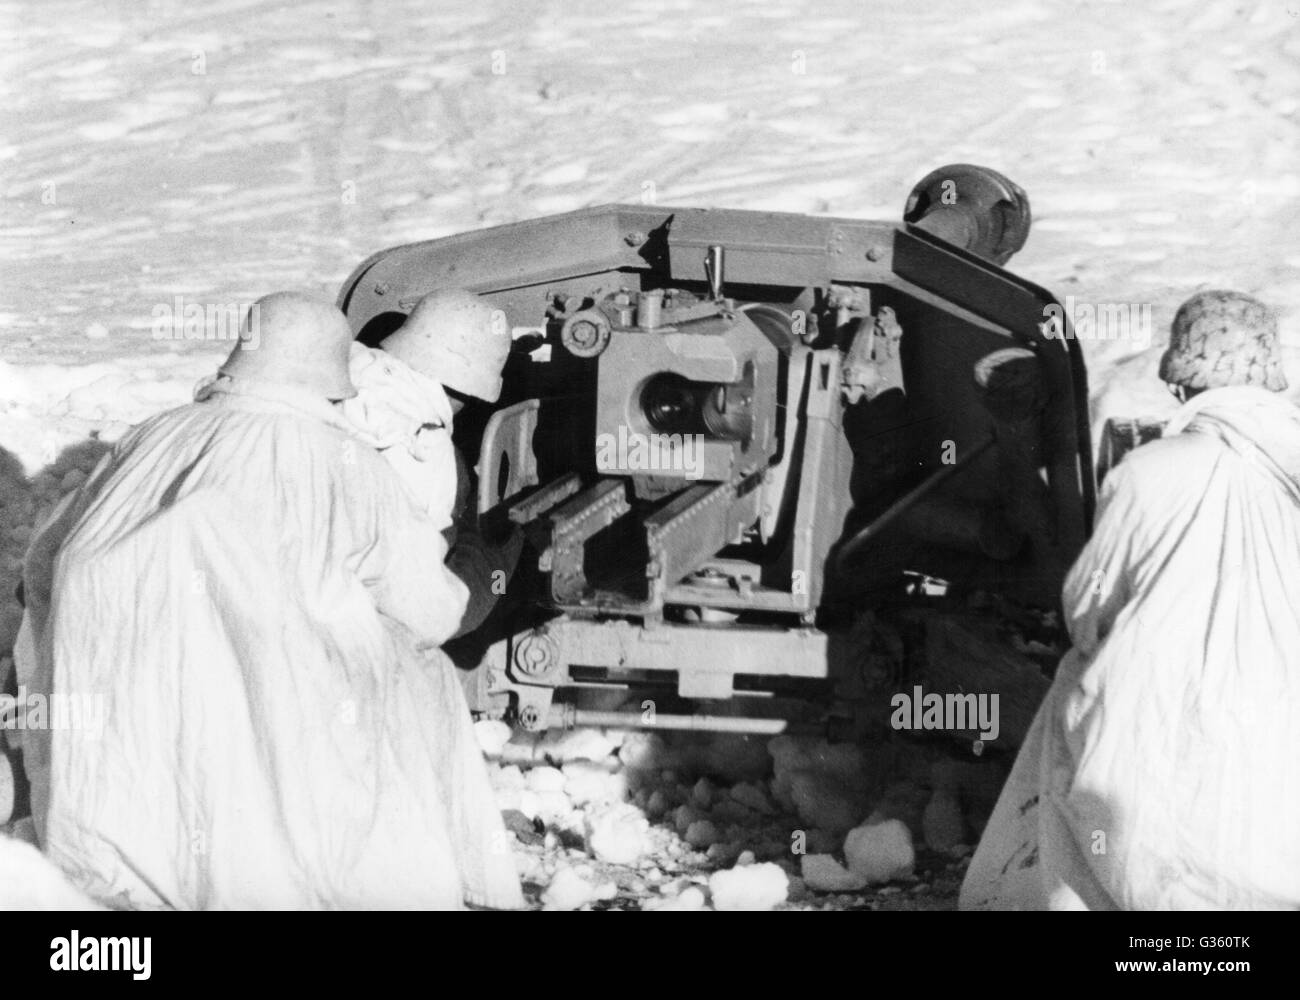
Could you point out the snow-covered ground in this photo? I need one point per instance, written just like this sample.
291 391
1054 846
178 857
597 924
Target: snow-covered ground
222 150
219 151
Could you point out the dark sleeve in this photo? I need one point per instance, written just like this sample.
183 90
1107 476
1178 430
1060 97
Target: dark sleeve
483 568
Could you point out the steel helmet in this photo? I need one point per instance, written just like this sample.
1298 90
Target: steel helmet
457 339
1223 338
294 339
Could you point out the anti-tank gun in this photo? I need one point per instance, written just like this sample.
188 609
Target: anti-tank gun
730 432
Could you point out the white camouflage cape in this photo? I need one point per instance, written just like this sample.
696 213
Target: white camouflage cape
258 603
1161 770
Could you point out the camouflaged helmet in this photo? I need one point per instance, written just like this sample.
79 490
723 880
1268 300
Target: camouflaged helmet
1223 338
455 338
294 339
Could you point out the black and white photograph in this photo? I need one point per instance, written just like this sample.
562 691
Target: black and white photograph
669 455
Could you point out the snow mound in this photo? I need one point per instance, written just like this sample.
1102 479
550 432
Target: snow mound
492 736
750 887
571 890
618 833
689 899
588 783
880 852
545 779
822 873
